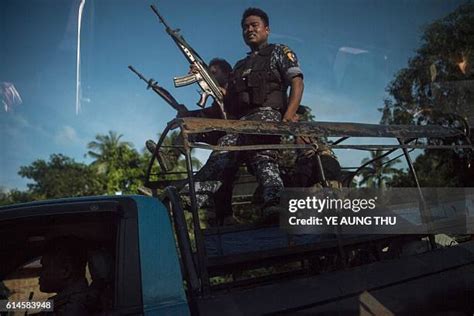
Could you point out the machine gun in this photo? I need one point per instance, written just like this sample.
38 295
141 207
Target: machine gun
203 77
162 92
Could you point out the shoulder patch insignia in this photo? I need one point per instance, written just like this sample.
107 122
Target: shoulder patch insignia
291 56
287 51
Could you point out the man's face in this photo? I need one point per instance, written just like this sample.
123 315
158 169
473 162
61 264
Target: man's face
53 274
254 31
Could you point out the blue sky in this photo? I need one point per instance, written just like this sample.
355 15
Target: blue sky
349 51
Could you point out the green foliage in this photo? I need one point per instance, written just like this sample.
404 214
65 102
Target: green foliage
117 167
378 172
435 169
15 196
61 176
438 79
121 165
437 88
103 150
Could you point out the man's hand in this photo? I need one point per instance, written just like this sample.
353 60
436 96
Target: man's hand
295 118
193 69
223 91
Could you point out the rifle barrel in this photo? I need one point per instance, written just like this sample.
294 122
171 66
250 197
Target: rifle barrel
162 20
138 74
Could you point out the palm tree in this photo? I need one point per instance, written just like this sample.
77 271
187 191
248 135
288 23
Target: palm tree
119 161
105 148
375 174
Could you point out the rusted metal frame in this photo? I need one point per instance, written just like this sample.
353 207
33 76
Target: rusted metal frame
250 147
358 169
171 146
340 140
425 214
155 155
324 183
198 236
330 129
387 147
340 247
382 156
320 171
308 146
184 243
395 158
171 172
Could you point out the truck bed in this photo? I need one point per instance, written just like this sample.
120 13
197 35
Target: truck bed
440 280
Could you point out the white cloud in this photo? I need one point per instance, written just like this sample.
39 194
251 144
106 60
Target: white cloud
66 136
352 50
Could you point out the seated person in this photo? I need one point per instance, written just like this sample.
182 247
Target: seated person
63 272
100 294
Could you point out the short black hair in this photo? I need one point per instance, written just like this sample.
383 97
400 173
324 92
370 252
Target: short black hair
257 12
222 64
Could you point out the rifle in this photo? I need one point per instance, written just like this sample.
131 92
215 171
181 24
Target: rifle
162 92
203 77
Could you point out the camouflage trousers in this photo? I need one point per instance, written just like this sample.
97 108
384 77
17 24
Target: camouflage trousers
220 170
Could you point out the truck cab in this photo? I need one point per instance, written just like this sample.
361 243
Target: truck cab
130 245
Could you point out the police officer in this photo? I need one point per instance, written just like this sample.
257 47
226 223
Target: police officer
258 91
260 81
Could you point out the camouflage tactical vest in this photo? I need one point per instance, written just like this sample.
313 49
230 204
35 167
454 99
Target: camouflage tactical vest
254 84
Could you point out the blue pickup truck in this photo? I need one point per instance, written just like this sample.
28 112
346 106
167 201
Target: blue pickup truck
149 273
150 255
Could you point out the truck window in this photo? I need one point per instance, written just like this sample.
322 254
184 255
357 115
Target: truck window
53 256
